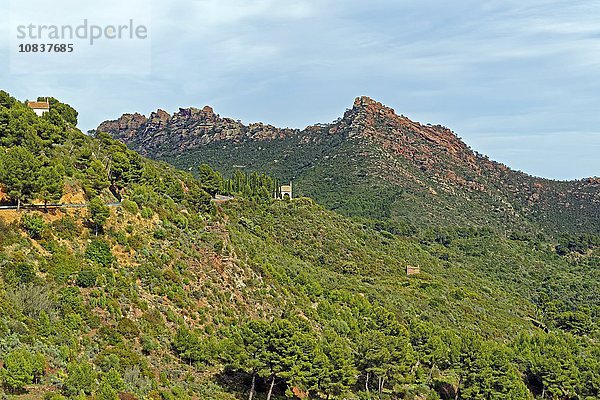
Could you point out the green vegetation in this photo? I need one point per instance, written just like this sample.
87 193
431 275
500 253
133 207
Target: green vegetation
99 213
174 296
33 224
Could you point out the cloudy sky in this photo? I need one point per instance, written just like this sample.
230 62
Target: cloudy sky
519 81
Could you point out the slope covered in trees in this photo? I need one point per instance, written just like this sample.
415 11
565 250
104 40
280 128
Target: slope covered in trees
174 296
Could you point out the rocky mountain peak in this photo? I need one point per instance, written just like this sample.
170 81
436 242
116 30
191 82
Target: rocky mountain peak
365 104
159 118
208 110
161 114
368 103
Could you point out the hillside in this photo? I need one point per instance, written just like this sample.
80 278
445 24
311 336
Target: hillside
172 295
371 163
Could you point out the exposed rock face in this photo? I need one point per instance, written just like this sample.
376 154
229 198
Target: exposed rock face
128 124
186 129
369 145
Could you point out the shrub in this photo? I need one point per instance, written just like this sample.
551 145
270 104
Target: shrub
110 335
160 234
114 379
124 355
54 396
66 227
120 237
99 252
180 221
136 381
33 224
62 265
71 300
17 371
147 213
106 392
127 328
21 367
19 273
86 278
148 345
32 300
81 378
130 206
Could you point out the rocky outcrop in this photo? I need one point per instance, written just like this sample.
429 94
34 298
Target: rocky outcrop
186 129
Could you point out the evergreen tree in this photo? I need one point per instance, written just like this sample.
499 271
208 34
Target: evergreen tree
50 184
96 177
210 180
198 198
68 113
98 214
19 172
248 351
335 370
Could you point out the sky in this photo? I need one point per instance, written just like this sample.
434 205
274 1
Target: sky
518 81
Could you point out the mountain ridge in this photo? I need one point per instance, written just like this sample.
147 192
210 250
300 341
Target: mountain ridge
160 118
381 149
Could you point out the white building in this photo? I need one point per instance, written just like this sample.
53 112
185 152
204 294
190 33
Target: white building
39 107
285 190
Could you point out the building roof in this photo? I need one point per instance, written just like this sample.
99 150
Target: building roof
39 105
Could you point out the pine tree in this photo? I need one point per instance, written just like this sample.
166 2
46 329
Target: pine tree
96 177
210 180
19 172
50 184
247 351
335 370
81 378
98 214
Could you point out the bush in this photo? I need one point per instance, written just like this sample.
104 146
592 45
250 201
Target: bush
130 206
99 251
32 300
147 213
180 221
71 300
86 278
136 381
66 227
62 265
33 224
19 273
114 380
160 234
120 237
81 378
54 396
127 328
21 367
17 371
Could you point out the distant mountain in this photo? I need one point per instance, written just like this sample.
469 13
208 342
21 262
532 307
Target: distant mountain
371 163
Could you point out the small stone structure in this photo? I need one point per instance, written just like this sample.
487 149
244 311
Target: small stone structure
410 270
285 190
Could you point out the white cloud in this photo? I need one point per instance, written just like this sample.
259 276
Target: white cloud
501 67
